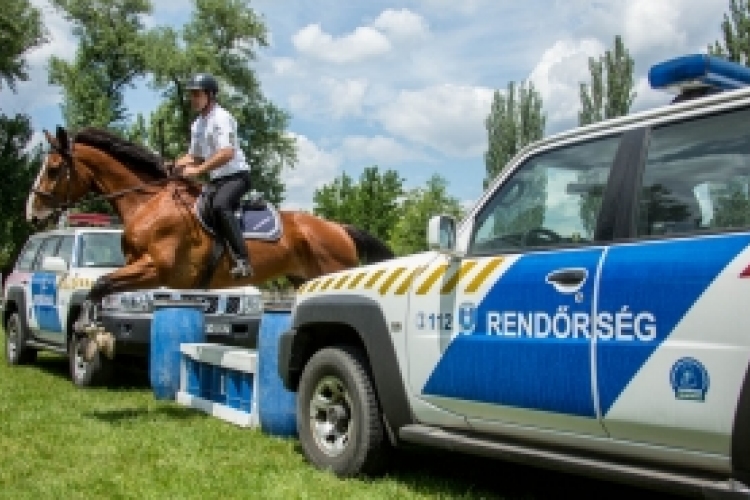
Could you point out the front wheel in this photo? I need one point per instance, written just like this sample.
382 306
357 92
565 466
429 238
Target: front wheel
16 351
98 371
338 414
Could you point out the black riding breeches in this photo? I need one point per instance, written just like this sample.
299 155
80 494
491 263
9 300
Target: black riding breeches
228 191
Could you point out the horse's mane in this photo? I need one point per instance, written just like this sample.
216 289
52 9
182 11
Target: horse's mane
135 156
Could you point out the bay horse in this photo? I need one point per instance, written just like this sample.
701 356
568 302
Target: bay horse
163 242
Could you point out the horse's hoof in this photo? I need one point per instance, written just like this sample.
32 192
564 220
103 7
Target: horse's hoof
106 343
90 351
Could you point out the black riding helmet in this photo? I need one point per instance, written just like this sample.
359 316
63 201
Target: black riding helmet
205 82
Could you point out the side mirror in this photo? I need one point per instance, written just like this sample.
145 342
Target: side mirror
54 265
441 232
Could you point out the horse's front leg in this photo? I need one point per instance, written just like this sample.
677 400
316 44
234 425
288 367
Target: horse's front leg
138 275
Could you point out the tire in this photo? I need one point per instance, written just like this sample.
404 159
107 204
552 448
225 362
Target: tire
16 350
97 372
345 434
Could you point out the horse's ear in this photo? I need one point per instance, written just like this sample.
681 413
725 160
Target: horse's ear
62 139
52 141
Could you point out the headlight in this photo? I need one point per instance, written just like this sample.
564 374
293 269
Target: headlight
128 302
250 304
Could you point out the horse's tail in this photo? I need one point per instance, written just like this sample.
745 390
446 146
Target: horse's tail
369 248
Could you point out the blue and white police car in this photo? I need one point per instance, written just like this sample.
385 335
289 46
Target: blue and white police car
586 315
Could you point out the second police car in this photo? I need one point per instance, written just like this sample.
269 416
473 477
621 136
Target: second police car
586 315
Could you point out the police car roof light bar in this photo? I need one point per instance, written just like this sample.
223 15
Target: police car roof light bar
90 219
698 71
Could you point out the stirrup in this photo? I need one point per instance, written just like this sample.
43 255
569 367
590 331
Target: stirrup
241 269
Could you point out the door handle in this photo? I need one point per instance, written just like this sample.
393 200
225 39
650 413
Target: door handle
567 280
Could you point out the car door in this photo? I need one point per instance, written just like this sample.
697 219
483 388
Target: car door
681 285
44 286
503 334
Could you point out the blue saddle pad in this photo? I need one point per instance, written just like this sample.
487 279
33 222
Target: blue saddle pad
260 222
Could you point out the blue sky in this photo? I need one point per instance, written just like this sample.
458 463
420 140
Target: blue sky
407 85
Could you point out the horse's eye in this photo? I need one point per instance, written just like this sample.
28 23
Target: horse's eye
53 173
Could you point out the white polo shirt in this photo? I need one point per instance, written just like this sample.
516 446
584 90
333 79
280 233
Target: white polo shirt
213 132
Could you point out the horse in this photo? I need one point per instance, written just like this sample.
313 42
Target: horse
163 241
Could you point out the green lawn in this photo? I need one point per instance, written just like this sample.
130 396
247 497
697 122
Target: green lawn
60 442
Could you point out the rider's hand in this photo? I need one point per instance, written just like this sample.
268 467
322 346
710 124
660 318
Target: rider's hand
192 171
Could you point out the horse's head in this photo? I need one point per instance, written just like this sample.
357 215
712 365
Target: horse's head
61 180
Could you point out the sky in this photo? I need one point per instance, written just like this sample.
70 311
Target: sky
407 84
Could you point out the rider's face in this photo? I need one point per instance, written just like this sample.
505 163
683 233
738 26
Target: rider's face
198 99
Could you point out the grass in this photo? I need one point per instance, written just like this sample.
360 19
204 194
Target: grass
57 441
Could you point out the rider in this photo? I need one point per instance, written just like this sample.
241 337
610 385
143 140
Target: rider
214 148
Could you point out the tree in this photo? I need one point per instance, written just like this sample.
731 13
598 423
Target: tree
21 29
610 92
18 167
735 29
372 204
111 55
410 232
515 120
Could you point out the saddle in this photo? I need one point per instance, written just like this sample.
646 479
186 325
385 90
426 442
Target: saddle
258 218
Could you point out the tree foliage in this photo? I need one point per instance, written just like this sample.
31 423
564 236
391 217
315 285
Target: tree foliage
18 167
516 119
21 29
410 232
610 92
372 204
735 29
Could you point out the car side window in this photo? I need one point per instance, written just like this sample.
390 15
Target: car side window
26 259
65 251
553 199
697 176
48 248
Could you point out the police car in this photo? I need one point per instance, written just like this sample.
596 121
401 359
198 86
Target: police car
586 315
52 277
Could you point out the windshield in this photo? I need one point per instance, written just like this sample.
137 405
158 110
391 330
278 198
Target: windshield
100 250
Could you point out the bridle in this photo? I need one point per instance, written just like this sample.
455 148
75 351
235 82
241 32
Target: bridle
67 167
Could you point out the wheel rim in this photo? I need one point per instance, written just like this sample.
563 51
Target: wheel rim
80 365
11 340
330 416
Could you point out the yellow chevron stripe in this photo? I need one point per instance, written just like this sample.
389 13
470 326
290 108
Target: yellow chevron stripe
356 280
301 289
436 274
327 284
406 284
375 277
313 285
450 285
482 275
341 281
391 279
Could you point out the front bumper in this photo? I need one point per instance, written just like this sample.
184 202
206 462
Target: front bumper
133 330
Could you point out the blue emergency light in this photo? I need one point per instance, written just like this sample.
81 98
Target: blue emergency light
698 71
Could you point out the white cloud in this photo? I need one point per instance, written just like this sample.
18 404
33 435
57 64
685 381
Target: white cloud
36 92
558 75
284 66
379 150
650 25
401 23
345 95
362 43
315 167
448 118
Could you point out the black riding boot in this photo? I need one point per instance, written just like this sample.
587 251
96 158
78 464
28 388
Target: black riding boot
232 233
